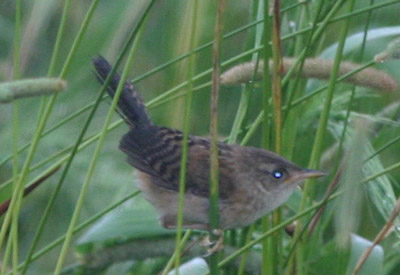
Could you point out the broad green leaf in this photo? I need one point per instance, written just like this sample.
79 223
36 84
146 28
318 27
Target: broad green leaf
354 41
122 225
374 263
348 210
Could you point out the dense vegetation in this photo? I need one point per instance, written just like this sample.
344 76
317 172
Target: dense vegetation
349 131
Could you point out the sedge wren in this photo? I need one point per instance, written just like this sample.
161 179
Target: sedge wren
252 181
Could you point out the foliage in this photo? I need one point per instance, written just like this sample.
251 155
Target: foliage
351 132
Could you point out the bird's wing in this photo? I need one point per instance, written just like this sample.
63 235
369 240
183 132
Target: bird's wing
157 152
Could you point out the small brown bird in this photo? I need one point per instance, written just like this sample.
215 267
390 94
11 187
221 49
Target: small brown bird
252 182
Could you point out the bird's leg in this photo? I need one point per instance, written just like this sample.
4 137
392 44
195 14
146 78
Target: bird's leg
214 246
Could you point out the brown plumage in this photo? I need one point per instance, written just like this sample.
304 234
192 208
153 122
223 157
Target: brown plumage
252 182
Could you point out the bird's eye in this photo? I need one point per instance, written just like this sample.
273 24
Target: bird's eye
278 174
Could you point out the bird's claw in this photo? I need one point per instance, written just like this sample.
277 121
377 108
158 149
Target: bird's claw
214 246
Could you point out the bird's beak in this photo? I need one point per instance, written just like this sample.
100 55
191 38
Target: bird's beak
306 174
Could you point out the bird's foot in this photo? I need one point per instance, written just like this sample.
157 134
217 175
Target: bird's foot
213 246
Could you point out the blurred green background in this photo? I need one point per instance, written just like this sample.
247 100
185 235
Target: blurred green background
165 37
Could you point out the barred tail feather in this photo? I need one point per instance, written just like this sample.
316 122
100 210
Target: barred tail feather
130 104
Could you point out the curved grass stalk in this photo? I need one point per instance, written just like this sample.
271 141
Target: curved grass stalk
171 261
103 132
64 71
12 245
43 116
185 141
308 192
78 144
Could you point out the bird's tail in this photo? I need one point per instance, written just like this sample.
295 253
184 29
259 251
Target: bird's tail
130 104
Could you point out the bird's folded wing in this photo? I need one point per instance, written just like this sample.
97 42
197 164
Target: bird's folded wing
157 152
